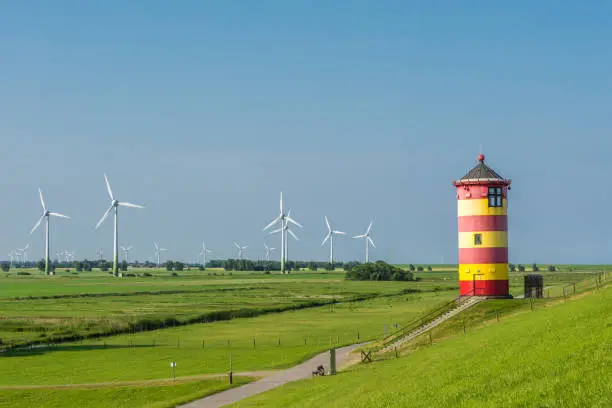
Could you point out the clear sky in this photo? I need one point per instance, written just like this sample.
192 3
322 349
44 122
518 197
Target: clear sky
204 110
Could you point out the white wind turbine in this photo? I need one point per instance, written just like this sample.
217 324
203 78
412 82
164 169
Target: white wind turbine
158 252
330 236
204 252
12 255
23 253
100 253
240 249
115 206
285 232
45 215
284 219
126 253
268 251
368 241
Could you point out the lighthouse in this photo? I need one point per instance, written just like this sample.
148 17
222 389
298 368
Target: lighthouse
482 203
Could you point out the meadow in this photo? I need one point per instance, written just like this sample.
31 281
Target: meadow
265 321
557 355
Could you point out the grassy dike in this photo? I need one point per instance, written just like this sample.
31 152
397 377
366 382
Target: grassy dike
557 356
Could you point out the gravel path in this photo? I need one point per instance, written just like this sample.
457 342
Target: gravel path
299 372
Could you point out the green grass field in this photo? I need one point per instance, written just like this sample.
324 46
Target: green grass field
556 356
155 396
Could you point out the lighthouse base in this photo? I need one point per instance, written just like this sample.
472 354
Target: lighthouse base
486 288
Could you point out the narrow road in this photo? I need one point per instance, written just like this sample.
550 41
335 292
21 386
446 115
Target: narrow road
299 372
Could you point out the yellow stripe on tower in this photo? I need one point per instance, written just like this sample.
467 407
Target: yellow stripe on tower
488 271
488 239
479 206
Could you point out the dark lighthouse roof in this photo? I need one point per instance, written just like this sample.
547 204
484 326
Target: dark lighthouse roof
482 174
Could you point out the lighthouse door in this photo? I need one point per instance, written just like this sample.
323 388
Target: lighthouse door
479 285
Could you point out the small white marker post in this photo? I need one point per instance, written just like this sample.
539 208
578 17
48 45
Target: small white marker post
173 364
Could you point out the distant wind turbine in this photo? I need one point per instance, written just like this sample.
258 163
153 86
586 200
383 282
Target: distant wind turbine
126 253
100 253
286 231
284 219
23 253
368 241
330 236
268 251
45 215
115 206
11 255
158 252
240 249
204 252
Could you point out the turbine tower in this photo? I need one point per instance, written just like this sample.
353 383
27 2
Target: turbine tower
115 206
330 236
368 241
240 249
12 257
45 215
284 219
158 252
204 252
268 251
126 253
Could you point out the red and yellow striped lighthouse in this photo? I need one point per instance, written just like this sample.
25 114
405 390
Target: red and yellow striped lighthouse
483 232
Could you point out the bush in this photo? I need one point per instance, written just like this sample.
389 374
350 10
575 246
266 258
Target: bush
266 272
6 267
147 274
429 268
534 268
23 273
378 271
201 267
174 274
419 268
552 268
521 268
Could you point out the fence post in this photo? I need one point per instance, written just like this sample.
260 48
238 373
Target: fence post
497 315
332 361
231 375
430 342
253 342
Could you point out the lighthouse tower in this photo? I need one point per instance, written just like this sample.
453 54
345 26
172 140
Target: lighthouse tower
483 232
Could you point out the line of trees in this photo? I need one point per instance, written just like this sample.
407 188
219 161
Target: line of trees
378 271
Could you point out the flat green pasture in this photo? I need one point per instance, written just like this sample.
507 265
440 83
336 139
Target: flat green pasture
38 308
281 340
155 396
556 356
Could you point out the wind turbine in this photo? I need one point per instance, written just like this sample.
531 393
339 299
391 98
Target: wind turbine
286 231
45 215
330 236
158 252
240 249
268 251
284 219
100 253
115 206
204 252
23 252
12 256
126 253
368 241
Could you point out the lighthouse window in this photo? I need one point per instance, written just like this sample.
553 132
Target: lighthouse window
495 197
477 239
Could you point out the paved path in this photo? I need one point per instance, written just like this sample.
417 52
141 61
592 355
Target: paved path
299 372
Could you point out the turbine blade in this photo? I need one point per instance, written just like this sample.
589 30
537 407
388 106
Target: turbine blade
327 222
110 192
371 242
130 205
369 227
42 200
276 231
326 238
272 223
37 224
237 246
339 232
156 246
359 236
281 202
104 216
291 220
59 215
293 235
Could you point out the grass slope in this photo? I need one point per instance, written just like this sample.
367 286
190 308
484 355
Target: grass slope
557 356
158 396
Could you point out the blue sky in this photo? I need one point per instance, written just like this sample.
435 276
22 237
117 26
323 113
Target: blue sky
203 111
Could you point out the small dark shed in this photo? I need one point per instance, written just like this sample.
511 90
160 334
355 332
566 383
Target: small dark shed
534 286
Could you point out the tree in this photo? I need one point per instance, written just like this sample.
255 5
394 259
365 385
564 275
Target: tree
534 267
411 267
169 265
329 266
312 266
41 265
123 266
6 267
78 266
104 266
378 271
551 268
201 267
179 266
